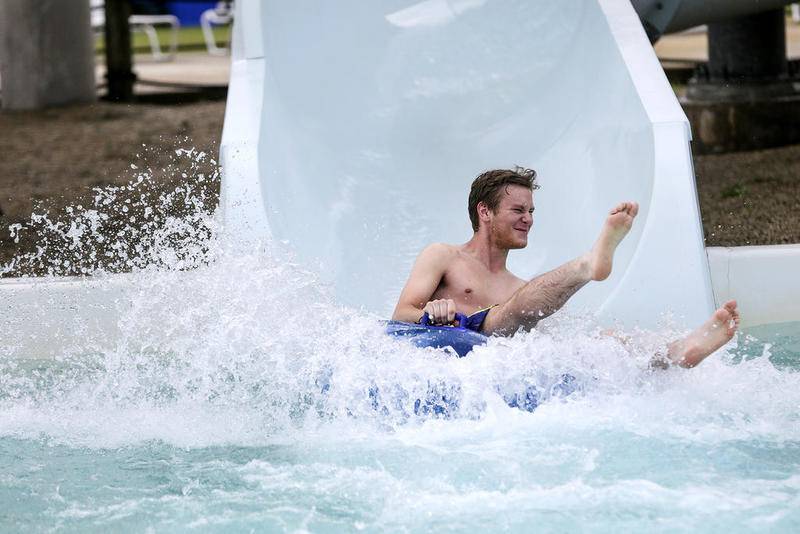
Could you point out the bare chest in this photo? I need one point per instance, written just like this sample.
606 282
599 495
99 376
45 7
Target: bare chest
473 287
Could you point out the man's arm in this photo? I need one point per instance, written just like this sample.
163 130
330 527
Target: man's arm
425 277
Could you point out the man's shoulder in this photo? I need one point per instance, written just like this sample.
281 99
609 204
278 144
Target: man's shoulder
440 253
440 250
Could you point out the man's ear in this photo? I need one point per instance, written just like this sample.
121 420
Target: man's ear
483 211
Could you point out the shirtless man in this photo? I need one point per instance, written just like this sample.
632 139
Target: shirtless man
472 278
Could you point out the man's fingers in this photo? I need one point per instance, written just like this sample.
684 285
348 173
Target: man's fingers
437 312
441 311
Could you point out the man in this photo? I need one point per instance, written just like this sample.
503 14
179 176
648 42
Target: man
472 279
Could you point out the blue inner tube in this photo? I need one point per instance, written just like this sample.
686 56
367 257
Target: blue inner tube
460 339
443 400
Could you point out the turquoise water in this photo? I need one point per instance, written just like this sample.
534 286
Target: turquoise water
236 398
203 419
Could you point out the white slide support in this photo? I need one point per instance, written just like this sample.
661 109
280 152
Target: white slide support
763 279
354 130
48 317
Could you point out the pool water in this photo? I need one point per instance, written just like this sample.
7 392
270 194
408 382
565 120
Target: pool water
780 341
241 398
216 414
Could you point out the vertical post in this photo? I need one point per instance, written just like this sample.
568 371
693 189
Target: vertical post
46 53
746 60
745 97
748 48
119 71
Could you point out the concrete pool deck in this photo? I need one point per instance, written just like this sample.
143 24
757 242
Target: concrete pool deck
187 71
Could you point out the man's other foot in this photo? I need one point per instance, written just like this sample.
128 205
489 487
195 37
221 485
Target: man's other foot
706 339
616 227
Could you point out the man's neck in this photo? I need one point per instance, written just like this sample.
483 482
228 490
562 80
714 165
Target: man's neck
485 251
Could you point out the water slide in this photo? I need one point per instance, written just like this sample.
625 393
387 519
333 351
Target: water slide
353 131
353 135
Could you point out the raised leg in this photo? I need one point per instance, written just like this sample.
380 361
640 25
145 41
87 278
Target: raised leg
547 293
537 299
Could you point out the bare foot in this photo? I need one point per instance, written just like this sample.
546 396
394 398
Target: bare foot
703 341
615 228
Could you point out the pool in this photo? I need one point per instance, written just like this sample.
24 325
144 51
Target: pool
215 413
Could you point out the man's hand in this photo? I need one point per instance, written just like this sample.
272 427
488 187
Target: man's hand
441 311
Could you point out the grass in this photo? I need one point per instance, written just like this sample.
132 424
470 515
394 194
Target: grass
189 38
735 191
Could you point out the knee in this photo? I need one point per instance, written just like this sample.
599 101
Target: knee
504 322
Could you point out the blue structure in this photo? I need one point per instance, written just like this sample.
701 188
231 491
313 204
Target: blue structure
189 12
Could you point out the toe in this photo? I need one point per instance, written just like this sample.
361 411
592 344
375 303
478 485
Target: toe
622 207
722 316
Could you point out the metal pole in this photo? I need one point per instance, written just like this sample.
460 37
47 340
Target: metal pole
746 60
119 71
749 48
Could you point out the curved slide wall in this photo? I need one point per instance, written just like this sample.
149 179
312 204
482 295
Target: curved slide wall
354 129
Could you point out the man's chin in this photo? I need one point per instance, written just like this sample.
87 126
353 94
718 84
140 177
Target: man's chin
513 243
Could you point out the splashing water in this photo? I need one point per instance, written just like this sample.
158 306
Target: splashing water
143 223
237 395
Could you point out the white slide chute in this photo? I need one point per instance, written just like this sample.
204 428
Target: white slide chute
354 129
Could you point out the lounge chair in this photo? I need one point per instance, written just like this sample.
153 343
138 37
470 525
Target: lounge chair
142 23
220 15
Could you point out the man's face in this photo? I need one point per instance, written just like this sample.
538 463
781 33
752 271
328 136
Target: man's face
513 218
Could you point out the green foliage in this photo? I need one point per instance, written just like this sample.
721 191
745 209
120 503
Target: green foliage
735 191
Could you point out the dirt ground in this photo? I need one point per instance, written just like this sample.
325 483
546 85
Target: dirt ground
53 158
750 198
